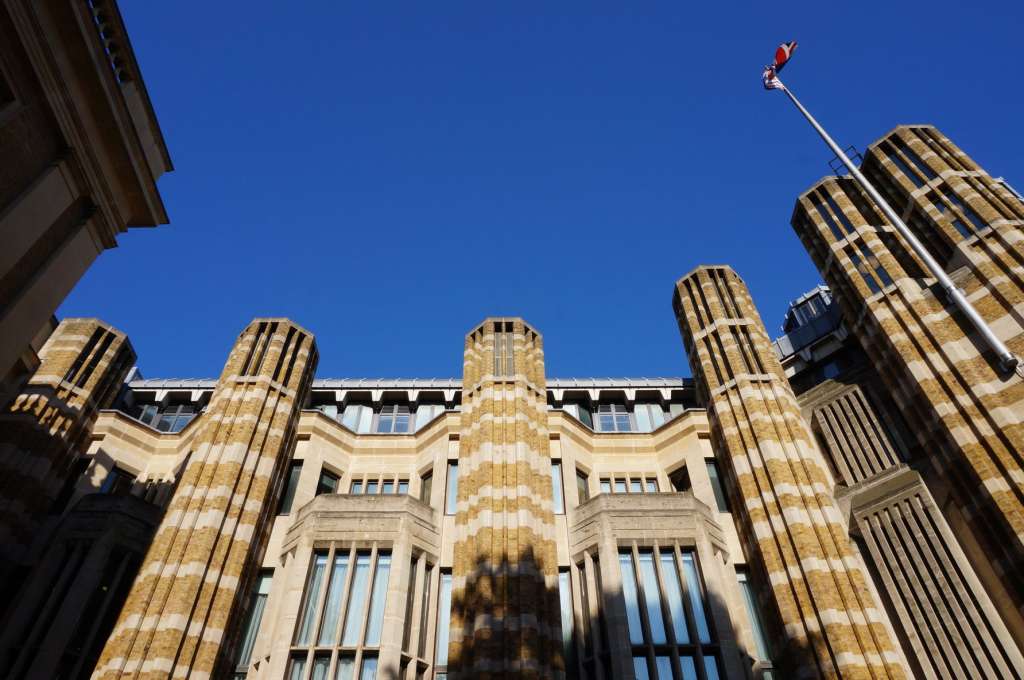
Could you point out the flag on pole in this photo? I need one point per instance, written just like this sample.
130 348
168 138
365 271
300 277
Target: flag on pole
782 55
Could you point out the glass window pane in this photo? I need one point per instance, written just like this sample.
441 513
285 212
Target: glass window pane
689 668
403 486
565 600
652 598
674 595
316 578
401 423
371 487
452 491
298 668
388 486
622 422
332 609
328 483
620 486
288 497
369 670
357 487
716 485
357 601
444 616
643 418
696 597
557 501
606 486
606 422
640 668
365 414
631 596
636 486
711 668
252 625
652 485
321 664
377 599
664 666
426 487
754 614
582 488
346 668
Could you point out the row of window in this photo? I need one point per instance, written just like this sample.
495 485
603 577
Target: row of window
388 419
616 417
165 418
373 485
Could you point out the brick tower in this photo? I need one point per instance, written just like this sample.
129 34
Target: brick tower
833 625
210 539
505 611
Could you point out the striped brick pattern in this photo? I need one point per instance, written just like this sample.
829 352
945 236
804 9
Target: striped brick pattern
209 542
833 626
965 412
45 426
505 615
854 436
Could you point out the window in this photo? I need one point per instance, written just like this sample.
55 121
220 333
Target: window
649 417
818 200
665 609
894 157
343 606
328 482
582 486
504 362
651 485
444 618
172 418
680 479
716 485
371 487
118 482
580 412
557 500
620 486
754 614
357 417
636 485
291 483
425 413
451 496
918 163
388 486
393 418
403 487
357 487
606 486
252 625
565 603
426 486
613 418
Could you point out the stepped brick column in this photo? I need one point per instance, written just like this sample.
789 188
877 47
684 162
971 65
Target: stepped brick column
83 365
211 539
505 616
833 625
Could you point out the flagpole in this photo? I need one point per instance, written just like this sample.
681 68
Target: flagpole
1007 361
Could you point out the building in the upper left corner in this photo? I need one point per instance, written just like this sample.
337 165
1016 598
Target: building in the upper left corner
80 154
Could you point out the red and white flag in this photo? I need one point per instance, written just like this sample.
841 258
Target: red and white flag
782 55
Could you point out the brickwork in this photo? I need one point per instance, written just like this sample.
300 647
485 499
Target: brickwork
966 412
210 540
505 612
832 623
45 427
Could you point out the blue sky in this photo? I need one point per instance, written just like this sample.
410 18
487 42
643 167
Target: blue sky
388 174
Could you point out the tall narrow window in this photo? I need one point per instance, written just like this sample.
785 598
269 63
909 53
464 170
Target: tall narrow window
426 486
371 487
304 635
328 482
377 599
606 486
754 614
557 500
255 617
565 601
332 606
403 487
388 486
716 485
444 616
357 417
357 600
652 601
291 483
582 486
451 496
649 417
632 598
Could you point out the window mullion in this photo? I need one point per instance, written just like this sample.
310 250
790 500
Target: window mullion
641 605
691 619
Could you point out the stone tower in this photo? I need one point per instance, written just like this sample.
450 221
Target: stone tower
83 365
505 612
966 412
211 538
833 625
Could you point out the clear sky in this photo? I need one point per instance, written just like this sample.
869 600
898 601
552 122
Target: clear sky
387 174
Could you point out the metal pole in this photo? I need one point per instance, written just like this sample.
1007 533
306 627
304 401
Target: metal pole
1008 362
